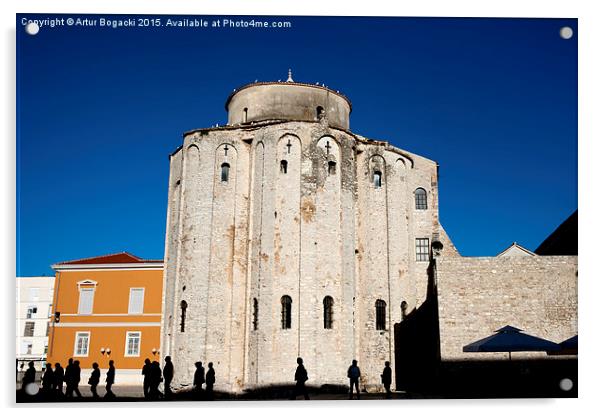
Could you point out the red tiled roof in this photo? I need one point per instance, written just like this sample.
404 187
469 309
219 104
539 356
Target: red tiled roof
123 257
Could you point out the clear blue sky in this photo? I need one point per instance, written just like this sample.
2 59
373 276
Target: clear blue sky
493 101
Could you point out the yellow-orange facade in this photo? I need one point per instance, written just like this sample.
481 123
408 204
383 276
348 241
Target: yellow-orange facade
107 308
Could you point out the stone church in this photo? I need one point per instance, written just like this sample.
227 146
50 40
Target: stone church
289 235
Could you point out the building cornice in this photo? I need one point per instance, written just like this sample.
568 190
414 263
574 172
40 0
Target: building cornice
110 266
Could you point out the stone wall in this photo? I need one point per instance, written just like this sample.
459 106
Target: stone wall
479 295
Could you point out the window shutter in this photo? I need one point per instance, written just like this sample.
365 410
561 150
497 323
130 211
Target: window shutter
136 301
86 299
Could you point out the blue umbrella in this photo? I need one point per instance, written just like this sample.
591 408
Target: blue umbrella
567 347
511 339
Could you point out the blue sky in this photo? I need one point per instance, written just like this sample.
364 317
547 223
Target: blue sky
493 101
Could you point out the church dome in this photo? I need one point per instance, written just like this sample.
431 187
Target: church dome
288 100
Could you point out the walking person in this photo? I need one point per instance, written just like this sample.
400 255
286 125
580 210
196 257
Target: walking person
300 378
59 376
110 380
210 381
146 369
29 376
168 376
354 379
48 381
155 381
77 376
94 380
69 378
199 377
386 379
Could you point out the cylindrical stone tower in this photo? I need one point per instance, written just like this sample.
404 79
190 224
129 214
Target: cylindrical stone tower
290 236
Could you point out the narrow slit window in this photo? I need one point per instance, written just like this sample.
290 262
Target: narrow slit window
286 314
332 167
245 114
420 195
404 309
319 112
255 314
225 172
377 179
381 315
283 166
328 312
183 306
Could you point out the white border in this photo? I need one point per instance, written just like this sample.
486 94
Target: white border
590 170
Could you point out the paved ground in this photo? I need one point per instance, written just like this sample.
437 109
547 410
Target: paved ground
134 393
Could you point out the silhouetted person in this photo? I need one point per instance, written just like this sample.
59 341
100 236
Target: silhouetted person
146 373
29 376
94 380
199 377
69 378
168 375
354 378
59 376
155 380
210 381
110 380
386 379
77 373
48 380
300 378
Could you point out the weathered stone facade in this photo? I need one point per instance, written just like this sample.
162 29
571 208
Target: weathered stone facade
478 295
286 201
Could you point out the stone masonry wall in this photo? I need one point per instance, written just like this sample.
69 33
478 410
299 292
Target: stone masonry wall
479 295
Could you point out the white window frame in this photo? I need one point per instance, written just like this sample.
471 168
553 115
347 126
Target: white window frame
130 301
127 339
79 303
77 334
417 245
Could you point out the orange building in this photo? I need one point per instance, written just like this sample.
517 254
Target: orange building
107 308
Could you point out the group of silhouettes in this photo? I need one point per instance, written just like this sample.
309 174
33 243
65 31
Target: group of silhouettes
70 376
53 380
353 373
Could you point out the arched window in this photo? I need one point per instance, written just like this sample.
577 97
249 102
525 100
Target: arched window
286 303
420 195
283 166
225 172
183 306
328 306
244 115
255 313
377 179
319 112
332 167
381 315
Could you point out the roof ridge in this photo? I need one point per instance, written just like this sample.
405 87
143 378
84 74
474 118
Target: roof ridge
102 256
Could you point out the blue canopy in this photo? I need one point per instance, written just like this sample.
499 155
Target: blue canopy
567 347
508 339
